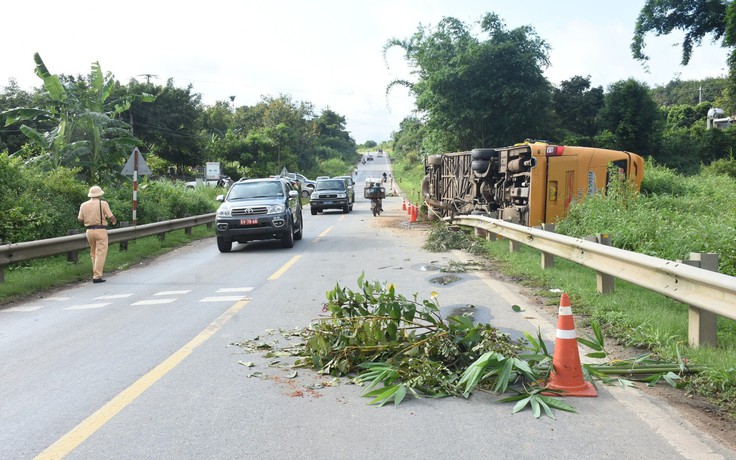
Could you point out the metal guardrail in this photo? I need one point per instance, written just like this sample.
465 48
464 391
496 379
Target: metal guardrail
18 252
707 290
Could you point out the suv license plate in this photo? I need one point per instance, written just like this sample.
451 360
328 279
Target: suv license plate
248 221
329 202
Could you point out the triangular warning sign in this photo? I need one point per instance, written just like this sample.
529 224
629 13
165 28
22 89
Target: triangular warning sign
143 168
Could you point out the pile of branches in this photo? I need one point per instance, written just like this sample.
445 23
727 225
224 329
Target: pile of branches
399 347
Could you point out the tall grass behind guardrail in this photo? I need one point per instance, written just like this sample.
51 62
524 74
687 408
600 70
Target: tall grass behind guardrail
673 216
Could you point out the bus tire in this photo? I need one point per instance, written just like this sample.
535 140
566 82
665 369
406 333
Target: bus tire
482 154
480 166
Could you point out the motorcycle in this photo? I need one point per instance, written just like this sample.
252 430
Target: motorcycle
375 192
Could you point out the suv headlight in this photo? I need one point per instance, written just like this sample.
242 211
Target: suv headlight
314 196
276 208
223 211
342 195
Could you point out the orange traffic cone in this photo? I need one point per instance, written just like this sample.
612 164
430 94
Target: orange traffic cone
403 204
567 374
413 215
408 208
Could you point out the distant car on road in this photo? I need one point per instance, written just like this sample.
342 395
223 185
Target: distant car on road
259 209
330 194
223 181
306 185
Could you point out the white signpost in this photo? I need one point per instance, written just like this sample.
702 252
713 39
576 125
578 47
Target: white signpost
135 165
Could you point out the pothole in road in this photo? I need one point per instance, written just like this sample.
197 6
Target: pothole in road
476 313
429 267
445 279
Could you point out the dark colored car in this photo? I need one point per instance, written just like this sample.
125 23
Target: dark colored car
259 209
351 186
330 194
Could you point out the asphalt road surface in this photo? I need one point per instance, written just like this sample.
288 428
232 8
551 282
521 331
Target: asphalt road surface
145 366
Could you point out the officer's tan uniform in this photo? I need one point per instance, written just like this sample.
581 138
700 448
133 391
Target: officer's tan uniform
94 215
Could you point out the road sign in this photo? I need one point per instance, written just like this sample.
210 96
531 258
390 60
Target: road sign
129 167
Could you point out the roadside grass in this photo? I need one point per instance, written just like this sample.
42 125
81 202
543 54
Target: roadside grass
29 278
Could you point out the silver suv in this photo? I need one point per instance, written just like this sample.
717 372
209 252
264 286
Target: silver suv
259 209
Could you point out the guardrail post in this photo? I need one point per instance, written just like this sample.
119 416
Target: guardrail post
513 245
162 235
124 244
605 283
73 256
702 324
548 260
188 230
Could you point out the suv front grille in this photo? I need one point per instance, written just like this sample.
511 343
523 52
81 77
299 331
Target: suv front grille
328 195
249 211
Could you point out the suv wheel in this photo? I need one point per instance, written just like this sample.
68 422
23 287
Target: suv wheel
300 232
346 208
287 241
313 210
224 246
305 193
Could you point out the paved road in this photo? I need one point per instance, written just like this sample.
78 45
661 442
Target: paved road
144 366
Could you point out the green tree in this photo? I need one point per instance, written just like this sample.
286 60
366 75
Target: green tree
697 19
331 133
477 92
171 125
632 116
86 131
577 105
11 138
409 138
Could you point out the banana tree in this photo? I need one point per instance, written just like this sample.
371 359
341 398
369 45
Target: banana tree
87 132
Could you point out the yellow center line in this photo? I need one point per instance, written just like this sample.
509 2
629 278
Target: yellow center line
70 441
327 230
283 269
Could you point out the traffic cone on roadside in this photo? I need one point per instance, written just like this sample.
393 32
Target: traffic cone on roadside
413 214
403 204
567 373
408 208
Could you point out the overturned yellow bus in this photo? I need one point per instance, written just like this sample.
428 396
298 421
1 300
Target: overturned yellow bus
529 183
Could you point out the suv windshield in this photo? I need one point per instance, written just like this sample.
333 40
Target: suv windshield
246 191
331 185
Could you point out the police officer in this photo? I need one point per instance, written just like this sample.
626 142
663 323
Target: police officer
93 214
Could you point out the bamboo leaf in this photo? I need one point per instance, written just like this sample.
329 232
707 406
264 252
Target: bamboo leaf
521 405
536 410
556 403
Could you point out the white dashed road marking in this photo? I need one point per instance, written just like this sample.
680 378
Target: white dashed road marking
88 306
153 302
157 301
239 289
113 296
173 292
28 308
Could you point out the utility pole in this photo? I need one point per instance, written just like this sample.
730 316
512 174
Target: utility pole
148 77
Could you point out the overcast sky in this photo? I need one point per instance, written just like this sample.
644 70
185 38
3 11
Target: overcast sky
329 53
